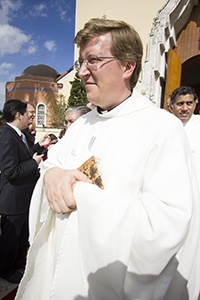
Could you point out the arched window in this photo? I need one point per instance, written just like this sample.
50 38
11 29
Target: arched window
41 115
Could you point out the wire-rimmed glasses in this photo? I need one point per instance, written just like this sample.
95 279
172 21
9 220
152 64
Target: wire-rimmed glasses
91 62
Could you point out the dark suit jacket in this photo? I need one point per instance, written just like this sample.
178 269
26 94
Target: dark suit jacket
19 173
36 148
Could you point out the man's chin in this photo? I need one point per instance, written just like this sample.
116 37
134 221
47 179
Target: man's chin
91 98
184 119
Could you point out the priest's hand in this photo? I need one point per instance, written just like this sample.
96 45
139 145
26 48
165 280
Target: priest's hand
59 185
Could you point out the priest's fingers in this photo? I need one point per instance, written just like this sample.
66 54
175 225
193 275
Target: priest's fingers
59 188
58 208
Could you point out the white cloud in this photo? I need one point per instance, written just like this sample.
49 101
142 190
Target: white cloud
63 9
5 68
7 8
39 10
12 39
50 45
32 49
62 15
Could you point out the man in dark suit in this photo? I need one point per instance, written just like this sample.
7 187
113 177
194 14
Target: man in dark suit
18 175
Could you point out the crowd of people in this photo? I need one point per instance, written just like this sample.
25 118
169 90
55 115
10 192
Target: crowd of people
137 237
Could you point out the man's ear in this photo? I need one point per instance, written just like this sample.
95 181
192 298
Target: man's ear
129 68
18 116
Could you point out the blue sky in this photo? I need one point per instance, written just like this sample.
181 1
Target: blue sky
35 32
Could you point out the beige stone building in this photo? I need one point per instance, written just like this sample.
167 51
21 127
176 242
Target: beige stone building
38 85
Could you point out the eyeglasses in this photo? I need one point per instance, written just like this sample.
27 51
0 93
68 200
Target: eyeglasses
31 112
91 62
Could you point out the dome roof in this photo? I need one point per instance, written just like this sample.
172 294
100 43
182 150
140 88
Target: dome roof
41 70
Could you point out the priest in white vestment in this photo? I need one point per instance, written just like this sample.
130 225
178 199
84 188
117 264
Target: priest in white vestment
138 237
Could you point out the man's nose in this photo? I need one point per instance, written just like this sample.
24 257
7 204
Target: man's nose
185 107
83 71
